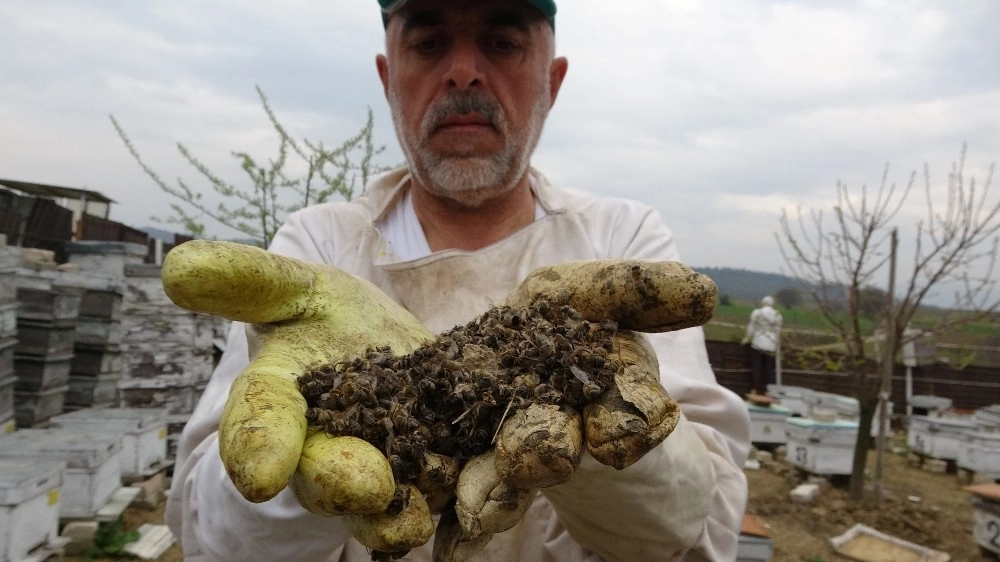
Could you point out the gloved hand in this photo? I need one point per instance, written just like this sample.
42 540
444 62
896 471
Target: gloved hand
302 316
542 444
299 315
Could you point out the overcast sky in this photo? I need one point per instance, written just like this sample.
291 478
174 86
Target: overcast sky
718 113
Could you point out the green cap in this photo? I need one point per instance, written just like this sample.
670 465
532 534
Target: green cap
546 7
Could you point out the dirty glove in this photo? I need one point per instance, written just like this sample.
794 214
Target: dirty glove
299 315
541 446
303 316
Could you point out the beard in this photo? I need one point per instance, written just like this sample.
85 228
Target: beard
469 180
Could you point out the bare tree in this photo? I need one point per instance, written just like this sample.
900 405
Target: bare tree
258 210
840 263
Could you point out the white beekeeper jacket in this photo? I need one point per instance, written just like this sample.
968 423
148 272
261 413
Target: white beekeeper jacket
684 500
764 328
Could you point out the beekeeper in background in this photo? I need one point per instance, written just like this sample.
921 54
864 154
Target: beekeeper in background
764 336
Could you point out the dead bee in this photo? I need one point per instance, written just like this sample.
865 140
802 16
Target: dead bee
591 391
547 394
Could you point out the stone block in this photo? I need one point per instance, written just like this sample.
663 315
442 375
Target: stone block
80 535
804 493
151 491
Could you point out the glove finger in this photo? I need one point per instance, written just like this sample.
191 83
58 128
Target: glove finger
649 296
539 446
396 530
636 414
484 504
341 475
237 281
451 544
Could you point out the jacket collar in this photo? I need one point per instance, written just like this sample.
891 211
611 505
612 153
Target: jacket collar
385 189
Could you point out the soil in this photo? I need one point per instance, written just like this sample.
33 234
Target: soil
920 504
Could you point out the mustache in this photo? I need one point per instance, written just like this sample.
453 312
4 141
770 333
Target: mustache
464 104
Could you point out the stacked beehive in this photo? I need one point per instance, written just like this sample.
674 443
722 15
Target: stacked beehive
48 310
97 367
168 352
9 257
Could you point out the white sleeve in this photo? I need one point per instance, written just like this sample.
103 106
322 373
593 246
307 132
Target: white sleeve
689 493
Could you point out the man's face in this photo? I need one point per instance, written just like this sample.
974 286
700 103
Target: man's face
469 85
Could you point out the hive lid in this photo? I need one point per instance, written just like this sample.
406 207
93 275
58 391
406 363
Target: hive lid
753 526
772 408
124 419
789 391
79 449
23 479
815 424
988 490
961 422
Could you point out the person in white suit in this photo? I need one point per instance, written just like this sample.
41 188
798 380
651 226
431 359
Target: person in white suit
764 336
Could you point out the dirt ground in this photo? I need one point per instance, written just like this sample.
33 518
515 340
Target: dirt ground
921 506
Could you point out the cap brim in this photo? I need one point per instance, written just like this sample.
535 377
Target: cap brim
546 7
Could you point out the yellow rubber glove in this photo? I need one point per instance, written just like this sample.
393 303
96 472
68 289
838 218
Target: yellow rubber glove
300 315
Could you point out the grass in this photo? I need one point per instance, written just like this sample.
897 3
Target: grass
805 327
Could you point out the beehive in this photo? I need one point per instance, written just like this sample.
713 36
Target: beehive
767 423
979 452
143 431
29 505
821 447
795 398
938 436
93 464
985 500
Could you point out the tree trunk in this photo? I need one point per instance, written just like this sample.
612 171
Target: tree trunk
868 405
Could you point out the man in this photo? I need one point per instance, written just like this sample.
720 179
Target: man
764 336
470 84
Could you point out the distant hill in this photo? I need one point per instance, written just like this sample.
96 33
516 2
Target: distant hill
164 235
743 284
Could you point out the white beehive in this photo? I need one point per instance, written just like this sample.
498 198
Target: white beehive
29 505
767 423
929 405
938 436
979 452
7 425
754 542
143 431
93 464
988 417
821 447
986 515
795 398
845 407
7 383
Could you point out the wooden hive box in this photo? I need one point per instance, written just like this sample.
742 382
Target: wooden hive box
143 431
93 464
29 505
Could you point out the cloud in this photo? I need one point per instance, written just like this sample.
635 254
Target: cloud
717 113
